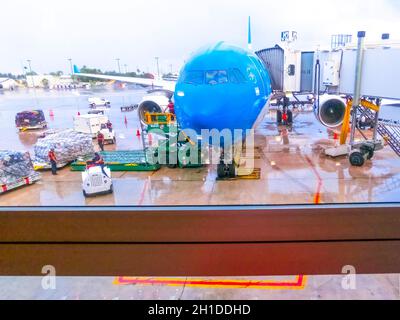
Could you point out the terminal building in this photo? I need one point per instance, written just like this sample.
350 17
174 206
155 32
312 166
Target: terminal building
8 84
49 81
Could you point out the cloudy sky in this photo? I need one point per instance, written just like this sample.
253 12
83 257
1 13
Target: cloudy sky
96 32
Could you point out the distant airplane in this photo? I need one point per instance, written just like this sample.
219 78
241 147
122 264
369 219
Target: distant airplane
168 85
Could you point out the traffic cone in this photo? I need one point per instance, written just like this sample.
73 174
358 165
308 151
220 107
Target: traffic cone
138 133
51 114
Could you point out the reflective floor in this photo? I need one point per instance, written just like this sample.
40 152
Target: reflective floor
261 288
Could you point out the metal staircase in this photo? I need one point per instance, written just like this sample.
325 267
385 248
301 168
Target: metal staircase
389 130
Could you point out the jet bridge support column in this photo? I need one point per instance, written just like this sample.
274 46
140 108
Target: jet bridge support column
357 84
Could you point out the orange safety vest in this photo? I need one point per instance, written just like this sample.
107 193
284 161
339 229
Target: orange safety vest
52 156
100 137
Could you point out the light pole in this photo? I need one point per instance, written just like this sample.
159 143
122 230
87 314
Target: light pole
158 67
170 67
126 68
70 64
30 71
119 66
33 80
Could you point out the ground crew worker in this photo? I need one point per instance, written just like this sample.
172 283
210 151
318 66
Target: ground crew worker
109 125
98 161
53 161
171 107
100 140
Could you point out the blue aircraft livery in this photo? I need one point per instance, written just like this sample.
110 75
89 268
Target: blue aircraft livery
222 87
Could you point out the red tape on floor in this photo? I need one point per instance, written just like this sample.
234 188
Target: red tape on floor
298 283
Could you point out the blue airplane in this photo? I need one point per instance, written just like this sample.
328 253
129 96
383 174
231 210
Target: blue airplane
221 86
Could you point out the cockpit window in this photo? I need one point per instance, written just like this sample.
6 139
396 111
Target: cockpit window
194 77
236 76
216 77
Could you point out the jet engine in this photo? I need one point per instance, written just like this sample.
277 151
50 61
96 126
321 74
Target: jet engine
331 110
148 106
155 101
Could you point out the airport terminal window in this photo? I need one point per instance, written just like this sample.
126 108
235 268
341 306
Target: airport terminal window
214 77
194 77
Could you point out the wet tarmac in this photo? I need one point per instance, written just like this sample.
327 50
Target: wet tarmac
293 168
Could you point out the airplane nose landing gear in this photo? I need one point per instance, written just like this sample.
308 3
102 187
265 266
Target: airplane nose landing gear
284 117
225 170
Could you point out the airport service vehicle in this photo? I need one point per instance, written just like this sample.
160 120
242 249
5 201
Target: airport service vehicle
20 182
30 120
96 112
96 102
92 124
96 181
129 108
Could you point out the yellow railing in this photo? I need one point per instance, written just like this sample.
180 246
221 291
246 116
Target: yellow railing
159 118
346 120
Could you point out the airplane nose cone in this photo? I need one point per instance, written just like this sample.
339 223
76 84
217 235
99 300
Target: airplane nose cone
221 87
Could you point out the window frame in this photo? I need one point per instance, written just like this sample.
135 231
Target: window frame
200 241
218 83
192 83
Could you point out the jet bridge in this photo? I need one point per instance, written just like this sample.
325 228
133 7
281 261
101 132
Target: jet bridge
295 71
355 79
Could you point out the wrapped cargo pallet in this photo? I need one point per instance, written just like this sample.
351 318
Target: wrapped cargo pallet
14 166
68 145
33 119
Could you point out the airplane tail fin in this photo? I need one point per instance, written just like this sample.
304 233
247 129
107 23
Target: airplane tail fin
249 44
76 69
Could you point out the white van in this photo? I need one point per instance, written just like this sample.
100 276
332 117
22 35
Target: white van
92 124
96 102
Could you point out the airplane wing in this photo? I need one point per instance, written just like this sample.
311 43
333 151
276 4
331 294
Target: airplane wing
168 85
